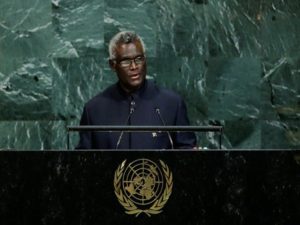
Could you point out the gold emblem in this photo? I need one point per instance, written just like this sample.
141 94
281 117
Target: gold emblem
142 186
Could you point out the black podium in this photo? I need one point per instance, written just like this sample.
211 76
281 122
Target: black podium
208 187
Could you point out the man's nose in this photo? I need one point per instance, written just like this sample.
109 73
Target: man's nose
133 65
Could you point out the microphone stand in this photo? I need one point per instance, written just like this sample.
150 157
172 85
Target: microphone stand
163 122
127 120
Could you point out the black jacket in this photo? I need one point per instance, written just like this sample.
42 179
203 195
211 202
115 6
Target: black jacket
112 107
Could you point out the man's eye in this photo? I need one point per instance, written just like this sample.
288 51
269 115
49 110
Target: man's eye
125 62
139 59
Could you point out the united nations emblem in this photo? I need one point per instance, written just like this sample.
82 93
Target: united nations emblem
142 186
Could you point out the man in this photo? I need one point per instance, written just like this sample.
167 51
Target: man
134 100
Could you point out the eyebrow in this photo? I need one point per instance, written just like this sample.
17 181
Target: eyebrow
130 58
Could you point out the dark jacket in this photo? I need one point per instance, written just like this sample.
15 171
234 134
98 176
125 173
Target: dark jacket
112 107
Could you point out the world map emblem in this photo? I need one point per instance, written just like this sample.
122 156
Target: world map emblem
142 186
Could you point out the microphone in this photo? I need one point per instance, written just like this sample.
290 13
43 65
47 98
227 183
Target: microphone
163 122
126 123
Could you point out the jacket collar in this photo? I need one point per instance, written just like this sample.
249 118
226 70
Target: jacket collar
136 94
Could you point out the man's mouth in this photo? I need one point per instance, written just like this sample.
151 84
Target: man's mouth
134 76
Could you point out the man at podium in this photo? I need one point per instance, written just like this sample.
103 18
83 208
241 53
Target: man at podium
134 100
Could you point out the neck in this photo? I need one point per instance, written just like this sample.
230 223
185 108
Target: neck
130 90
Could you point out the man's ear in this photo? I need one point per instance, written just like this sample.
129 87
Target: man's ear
112 64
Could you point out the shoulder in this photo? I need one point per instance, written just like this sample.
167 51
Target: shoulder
172 95
165 93
165 99
103 97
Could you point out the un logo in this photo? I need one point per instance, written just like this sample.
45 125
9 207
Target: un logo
143 186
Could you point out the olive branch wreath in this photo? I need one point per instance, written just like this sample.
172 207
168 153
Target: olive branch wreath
131 208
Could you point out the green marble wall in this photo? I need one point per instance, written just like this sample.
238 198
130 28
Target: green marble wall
236 63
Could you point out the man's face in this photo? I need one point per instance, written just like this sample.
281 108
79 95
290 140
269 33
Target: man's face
130 65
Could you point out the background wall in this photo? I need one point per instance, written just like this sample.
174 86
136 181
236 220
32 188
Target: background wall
235 62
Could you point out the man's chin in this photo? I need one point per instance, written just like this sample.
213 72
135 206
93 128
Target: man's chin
134 85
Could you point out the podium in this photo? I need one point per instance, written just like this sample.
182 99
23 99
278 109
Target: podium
208 187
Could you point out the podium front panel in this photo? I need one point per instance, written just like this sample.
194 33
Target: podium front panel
149 187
